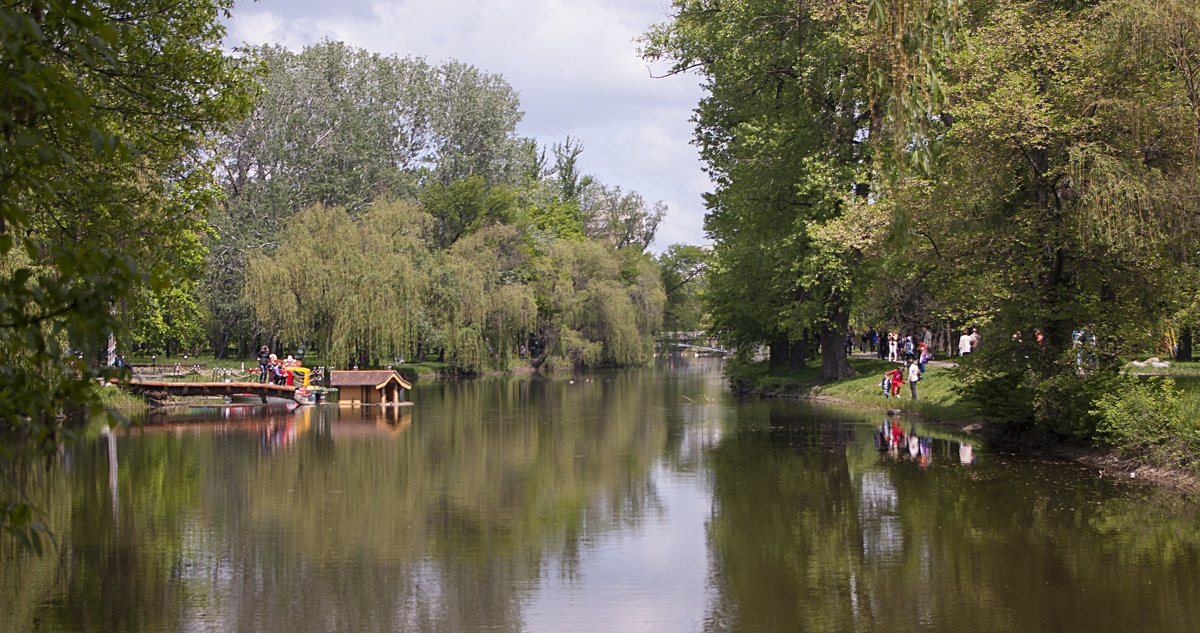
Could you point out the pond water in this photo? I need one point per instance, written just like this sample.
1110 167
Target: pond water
642 500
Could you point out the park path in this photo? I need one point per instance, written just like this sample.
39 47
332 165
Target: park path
934 362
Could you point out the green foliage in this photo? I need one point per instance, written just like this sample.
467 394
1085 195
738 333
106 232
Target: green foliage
170 320
347 284
464 206
1144 418
787 133
90 168
682 269
342 127
339 127
598 306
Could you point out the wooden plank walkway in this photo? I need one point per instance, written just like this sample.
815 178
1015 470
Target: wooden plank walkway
153 387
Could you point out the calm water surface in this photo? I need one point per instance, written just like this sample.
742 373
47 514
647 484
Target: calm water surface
644 500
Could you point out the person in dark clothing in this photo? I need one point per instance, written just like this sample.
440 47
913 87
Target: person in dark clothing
264 359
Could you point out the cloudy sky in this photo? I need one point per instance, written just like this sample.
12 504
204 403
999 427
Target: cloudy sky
574 62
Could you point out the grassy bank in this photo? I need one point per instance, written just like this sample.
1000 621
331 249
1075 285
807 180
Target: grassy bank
935 398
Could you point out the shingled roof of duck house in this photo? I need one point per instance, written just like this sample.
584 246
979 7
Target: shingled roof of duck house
369 386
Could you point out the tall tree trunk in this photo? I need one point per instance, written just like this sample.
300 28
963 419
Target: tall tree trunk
778 354
834 363
797 351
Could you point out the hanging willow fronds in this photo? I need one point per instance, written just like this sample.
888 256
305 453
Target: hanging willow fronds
905 40
345 284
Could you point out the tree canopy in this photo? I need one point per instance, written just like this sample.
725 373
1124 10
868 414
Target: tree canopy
359 175
105 180
1024 166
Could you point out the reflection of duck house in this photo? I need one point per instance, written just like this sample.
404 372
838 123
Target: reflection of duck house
369 387
371 422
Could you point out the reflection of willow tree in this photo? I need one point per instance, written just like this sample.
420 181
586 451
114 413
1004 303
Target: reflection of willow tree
801 542
495 484
439 527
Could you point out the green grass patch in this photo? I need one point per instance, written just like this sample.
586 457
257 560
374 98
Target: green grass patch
113 397
935 395
936 399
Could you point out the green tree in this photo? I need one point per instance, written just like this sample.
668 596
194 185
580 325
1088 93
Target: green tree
482 302
1065 200
104 112
787 132
596 305
464 206
339 126
682 268
349 285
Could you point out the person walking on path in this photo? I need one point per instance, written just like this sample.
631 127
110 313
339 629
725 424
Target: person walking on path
264 359
914 374
964 344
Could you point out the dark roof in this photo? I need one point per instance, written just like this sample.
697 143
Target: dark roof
361 378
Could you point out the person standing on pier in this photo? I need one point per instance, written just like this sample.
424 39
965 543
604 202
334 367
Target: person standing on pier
264 359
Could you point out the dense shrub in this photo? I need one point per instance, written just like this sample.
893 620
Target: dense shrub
1144 420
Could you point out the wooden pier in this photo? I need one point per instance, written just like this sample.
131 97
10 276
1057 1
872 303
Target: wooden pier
166 387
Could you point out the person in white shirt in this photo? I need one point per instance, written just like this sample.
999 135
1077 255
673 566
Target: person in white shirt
964 344
914 374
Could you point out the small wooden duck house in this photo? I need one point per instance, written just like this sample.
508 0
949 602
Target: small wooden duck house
369 387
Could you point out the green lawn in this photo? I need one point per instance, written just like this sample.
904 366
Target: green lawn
935 398
934 395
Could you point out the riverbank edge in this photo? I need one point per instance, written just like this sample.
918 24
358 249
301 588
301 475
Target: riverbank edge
1004 438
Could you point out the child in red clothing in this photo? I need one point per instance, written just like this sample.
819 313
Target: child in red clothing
897 376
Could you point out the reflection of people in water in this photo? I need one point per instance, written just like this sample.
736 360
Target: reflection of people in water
891 438
966 453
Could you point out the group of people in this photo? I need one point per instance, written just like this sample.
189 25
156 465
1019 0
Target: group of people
896 347
910 370
911 349
271 368
968 341
892 346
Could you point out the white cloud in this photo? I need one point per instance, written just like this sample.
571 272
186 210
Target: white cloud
574 62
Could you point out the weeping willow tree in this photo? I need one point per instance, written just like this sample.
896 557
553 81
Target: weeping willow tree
599 306
349 286
483 308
